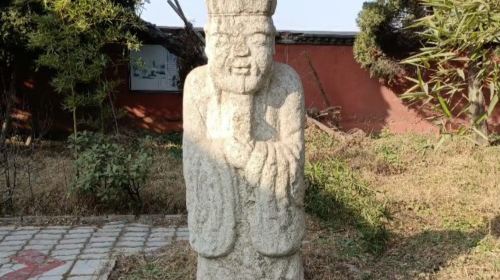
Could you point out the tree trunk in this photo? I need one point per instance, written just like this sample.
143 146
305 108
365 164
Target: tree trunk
477 109
115 117
9 94
10 97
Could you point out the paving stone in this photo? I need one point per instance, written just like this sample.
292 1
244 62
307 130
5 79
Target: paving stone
7 228
136 234
8 265
58 277
29 228
59 227
93 256
162 234
10 243
68 257
25 232
159 239
88 267
102 239
57 253
44 249
82 278
100 245
88 249
7 254
73 241
7 249
15 267
4 271
136 229
132 239
136 225
43 236
15 236
107 234
130 244
78 235
182 233
42 242
53 231
81 230
69 246
59 271
158 230
112 227
96 250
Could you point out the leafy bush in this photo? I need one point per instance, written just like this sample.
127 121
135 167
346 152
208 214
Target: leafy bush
459 68
336 195
383 39
109 172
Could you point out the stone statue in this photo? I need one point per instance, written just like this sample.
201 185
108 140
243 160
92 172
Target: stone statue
244 150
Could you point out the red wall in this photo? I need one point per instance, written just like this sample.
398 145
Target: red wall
365 103
159 112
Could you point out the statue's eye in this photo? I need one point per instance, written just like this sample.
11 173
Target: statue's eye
258 39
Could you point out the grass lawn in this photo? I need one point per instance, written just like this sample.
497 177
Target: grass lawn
41 179
385 207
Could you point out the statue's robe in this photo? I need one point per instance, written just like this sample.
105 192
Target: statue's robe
259 205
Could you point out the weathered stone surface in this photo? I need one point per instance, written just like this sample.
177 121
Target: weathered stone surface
244 150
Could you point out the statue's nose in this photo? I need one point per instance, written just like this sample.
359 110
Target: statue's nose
241 49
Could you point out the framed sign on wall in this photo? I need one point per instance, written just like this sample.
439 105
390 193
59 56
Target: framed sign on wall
153 68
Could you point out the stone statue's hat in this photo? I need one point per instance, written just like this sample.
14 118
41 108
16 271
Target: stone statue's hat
241 7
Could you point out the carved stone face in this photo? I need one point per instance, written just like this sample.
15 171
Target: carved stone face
240 52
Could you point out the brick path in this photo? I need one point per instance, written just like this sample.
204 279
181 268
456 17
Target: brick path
76 253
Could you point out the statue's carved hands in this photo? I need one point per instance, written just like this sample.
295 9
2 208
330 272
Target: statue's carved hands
238 151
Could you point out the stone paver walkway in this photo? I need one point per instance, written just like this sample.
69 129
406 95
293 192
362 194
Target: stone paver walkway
76 253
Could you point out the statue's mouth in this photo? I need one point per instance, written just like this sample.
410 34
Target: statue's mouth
243 70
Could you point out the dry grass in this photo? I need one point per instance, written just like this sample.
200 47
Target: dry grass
177 262
44 176
443 199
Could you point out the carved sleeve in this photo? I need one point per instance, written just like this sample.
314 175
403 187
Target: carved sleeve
275 170
209 181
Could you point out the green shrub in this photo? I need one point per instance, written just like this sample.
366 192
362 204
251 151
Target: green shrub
337 196
108 172
383 39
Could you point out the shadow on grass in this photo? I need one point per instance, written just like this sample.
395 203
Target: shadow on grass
354 242
338 197
423 254
339 255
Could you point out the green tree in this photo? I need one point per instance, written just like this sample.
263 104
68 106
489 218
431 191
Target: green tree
459 67
383 39
15 58
75 38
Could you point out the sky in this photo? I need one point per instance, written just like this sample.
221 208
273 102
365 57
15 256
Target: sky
300 15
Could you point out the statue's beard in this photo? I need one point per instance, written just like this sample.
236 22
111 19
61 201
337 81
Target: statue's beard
225 79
